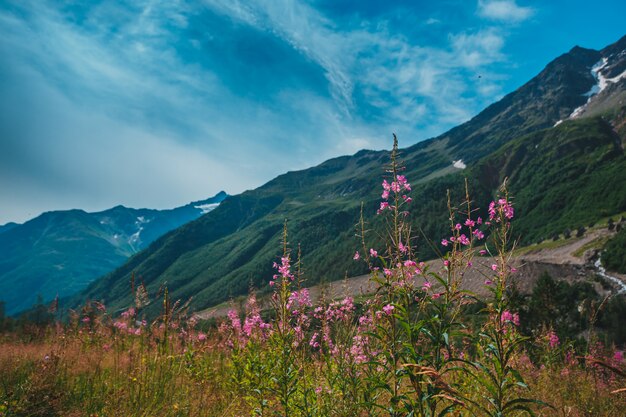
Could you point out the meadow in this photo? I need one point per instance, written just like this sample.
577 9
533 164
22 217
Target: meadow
419 346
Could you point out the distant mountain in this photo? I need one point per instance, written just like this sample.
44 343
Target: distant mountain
562 151
61 252
7 227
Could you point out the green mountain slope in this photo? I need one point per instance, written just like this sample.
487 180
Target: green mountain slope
562 176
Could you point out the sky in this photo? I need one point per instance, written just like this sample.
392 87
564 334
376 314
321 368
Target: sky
151 103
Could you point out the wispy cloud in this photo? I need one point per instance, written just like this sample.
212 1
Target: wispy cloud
154 103
504 10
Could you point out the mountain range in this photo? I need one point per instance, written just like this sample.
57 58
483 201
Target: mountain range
559 139
61 252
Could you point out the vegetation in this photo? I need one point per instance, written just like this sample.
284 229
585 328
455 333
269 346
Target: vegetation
614 256
420 346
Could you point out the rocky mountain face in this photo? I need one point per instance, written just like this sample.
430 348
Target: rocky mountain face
61 252
565 170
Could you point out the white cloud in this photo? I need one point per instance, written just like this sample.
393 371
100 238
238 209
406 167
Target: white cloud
504 10
396 74
118 82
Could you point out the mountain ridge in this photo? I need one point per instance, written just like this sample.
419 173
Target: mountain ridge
322 202
60 252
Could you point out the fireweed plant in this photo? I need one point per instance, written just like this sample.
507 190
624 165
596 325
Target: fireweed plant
405 351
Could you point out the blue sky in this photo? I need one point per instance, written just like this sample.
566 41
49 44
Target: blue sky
157 103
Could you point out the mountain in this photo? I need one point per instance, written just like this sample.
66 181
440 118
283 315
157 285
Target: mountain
559 139
7 227
61 252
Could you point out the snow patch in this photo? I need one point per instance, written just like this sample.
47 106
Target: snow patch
601 83
207 207
459 164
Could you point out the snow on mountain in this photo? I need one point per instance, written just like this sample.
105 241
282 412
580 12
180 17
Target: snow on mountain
601 83
459 164
207 207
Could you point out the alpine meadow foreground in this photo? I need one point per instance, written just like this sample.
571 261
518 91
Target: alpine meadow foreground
419 346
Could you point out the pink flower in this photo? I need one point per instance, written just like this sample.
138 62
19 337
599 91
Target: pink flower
201 337
373 253
494 267
553 340
458 226
436 295
618 356
386 186
385 195
388 309
464 240
356 256
470 223
426 286
444 242
402 248
479 235
507 316
446 263
488 282
387 272
482 252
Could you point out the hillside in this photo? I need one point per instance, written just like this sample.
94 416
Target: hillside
61 252
563 171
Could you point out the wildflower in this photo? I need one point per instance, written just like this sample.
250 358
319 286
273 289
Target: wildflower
388 309
618 356
470 223
507 316
386 185
458 226
373 253
402 248
385 195
444 242
494 267
478 234
464 240
553 340
482 252
387 272
201 337
427 285
436 295
488 282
